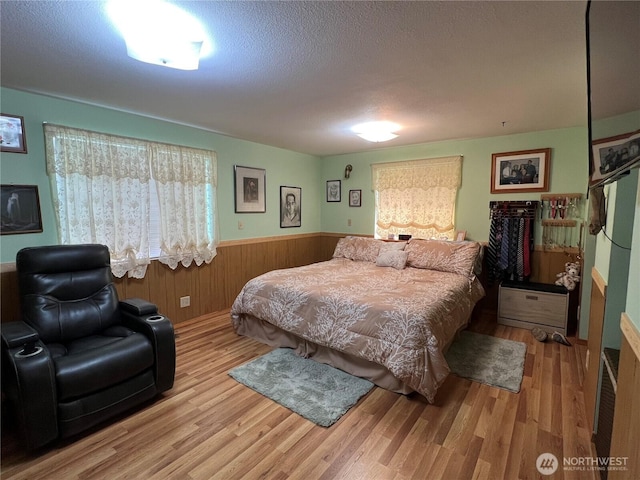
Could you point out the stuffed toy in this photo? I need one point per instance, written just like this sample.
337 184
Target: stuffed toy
570 276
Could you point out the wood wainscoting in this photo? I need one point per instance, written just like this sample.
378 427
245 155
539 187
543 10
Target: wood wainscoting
625 437
214 287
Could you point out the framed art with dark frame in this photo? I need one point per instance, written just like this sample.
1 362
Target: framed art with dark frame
521 171
250 189
290 207
334 191
12 136
20 209
612 155
355 198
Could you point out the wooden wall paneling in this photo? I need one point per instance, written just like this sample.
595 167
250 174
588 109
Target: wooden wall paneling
625 437
594 345
234 279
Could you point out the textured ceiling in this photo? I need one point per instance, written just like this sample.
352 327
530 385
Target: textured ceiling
298 75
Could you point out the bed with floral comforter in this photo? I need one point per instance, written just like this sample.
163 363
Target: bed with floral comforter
380 310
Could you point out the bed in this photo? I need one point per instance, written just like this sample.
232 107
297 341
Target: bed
385 311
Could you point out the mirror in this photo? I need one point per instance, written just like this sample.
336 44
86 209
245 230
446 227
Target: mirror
613 43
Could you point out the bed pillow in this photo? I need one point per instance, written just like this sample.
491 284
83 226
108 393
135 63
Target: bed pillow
444 256
386 246
392 258
362 249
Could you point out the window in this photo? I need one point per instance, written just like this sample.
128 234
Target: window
141 199
416 197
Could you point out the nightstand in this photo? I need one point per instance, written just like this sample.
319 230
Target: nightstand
528 305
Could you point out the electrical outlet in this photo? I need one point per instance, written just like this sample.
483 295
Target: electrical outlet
349 223
240 226
185 301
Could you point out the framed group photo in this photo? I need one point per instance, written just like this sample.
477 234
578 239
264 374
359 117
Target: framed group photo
613 154
334 191
290 207
250 190
20 209
12 136
521 171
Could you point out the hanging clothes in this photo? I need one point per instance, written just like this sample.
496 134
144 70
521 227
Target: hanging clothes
510 240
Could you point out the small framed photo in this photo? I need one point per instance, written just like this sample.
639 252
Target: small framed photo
20 209
12 136
461 235
250 189
290 207
521 171
355 198
334 191
613 154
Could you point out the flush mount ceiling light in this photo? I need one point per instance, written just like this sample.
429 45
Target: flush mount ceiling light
376 131
160 33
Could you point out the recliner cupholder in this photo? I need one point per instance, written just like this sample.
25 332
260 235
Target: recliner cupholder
21 353
155 318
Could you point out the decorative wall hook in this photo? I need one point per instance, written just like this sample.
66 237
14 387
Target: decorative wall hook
347 171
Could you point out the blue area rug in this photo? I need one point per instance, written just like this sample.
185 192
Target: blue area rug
490 360
316 391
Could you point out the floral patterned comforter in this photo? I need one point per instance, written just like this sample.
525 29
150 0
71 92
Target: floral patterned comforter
401 319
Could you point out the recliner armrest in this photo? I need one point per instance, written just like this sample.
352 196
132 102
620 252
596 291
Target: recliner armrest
138 306
17 334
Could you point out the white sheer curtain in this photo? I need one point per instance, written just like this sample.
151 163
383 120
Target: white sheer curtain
100 186
101 189
417 197
186 184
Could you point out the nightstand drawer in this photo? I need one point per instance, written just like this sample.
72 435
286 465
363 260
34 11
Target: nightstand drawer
530 307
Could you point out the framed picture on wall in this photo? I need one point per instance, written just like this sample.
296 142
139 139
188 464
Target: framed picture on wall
613 154
334 191
12 136
20 209
250 189
521 171
290 207
355 198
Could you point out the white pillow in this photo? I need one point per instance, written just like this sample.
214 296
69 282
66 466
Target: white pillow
392 258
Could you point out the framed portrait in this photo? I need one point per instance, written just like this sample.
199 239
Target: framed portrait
250 189
355 198
12 136
20 209
613 154
290 207
521 171
461 235
334 191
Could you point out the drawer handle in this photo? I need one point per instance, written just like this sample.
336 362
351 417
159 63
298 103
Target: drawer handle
531 297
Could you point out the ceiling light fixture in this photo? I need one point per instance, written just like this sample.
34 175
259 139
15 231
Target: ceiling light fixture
160 33
376 131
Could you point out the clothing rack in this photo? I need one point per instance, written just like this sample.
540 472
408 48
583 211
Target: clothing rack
513 208
511 239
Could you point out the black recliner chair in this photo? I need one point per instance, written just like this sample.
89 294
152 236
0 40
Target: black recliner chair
79 356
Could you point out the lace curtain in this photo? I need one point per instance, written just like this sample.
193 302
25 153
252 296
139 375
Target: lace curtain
186 182
417 197
102 187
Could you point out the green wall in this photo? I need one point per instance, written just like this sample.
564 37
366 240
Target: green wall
615 261
569 171
283 167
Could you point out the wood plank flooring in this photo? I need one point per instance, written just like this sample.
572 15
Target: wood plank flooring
211 427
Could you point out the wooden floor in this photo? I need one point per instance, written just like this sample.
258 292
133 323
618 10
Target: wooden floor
209 426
